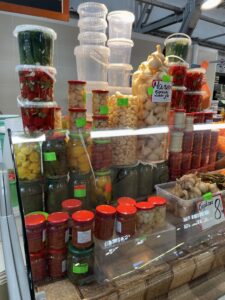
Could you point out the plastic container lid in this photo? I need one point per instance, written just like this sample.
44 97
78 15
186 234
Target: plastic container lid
92 9
29 104
92 22
177 63
179 88
27 27
90 37
76 82
199 70
50 71
126 15
83 216
34 220
126 201
57 251
102 173
120 42
157 200
77 109
80 252
144 205
175 37
124 67
43 213
71 203
106 210
126 210
58 217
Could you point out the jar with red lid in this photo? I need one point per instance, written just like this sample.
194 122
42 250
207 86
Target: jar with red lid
177 100
57 230
188 139
38 265
76 94
101 157
175 159
145 217
199 117
126 220
77 118
196 161
193 101
160 210
208 117
82 230
100 102
126 201
100 122
178 71
71 206
36 232
57 261
179 119
104 222
186 161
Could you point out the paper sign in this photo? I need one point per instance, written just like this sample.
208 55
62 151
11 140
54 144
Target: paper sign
162 91
122 101
80 122
104 110
49 156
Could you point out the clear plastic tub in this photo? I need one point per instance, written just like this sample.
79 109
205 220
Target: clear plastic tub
194 79
120 50
92 38
92 62
177 100
178 70
177 46
120 24
92 9
92 24
119 74
193 101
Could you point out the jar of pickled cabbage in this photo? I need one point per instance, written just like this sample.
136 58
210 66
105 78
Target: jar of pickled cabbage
103 190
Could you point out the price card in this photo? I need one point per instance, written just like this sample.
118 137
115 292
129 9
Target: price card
49 156
211 211
80 190
161 92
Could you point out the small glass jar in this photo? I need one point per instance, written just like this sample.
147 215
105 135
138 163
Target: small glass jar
145 180
82 230
43 213
38 266
145 217
57 263
57 230
126 220
36 232
101 157
104 222
80 265
79 153
100 122
103 190
100 102
58 118
126 201
160 210
56 190
54 155
188 139
76 94
161 173
77 118
31 193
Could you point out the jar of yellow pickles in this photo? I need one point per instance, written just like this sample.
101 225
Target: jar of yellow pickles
28 160
103 187
79 152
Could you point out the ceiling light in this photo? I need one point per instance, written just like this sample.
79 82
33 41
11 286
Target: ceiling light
210 4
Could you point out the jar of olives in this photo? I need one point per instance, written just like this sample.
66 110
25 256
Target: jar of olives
103 188
31 195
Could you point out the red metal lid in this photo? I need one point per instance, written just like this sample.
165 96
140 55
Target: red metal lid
77 109
71 203
157 200
76 82
126 201
34 220
58 217
145 205
40 254
126 210
107 210
57 251
100 91
100 117
83 216
180 110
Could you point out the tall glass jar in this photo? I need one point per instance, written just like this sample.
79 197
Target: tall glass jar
100 102
38 266
57 230
124 150
104 222
76 94
126 220
145 180
57 262
31 195
103 187
56 190
36 232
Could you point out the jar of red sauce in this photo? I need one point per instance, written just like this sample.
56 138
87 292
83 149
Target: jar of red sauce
198 140
38 265
57 230
126 201
206 140
214 140
196 161
174 174
186 162
104 222
36 232
126 220
82 230
57 260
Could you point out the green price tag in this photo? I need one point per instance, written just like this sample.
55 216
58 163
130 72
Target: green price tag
208 196
166 78
84 97
150 90
104 110
49 156
81 122
80 268
80 191
122 101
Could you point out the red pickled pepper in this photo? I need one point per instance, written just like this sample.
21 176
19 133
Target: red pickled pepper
179 74
194 80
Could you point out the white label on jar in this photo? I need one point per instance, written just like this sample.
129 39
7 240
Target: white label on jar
67 235
44 235
118 226
63 266
162 91
83 236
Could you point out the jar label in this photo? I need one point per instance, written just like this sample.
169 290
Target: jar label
80 122
104 109
83 237
118 226
80 268
108 188
49 156
122 101
64 266
80 191
67 235
44 235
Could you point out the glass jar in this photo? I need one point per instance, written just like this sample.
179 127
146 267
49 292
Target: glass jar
58 118
54 155
76 94
160 210
145 217
104 222
125 181
36 232
145 180
43 213
193 101
196 161
206 140
31 193
57 230
28 160
175 159
100 102
101 157
82 230
57 261
186 162
70 206
77 118
214 140
126 201
80 265
103 190
124 150
126 220
56 190
100 122
79 153
161 173
38 266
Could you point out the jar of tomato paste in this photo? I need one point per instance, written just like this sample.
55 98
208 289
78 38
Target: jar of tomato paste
57 230
104 222
126 220
36 232
57 260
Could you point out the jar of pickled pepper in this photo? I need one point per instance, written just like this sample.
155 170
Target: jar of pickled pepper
103 190
104 222
36 232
